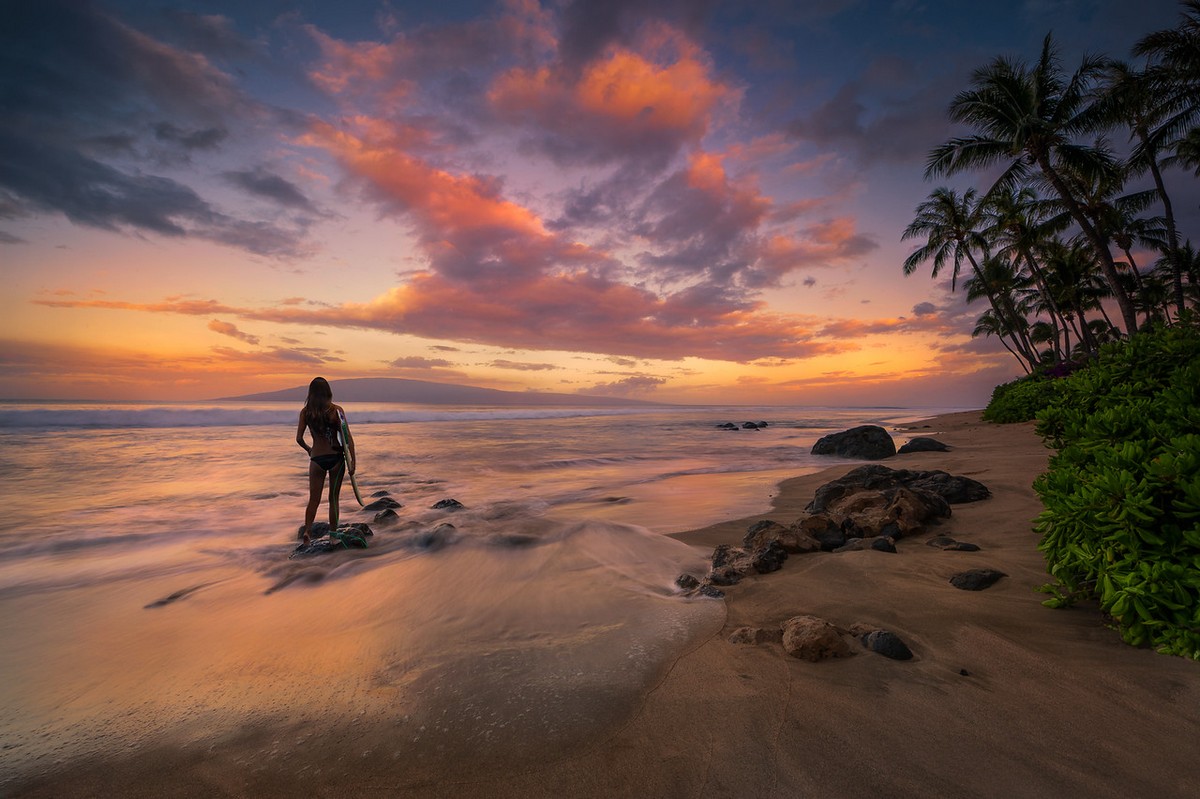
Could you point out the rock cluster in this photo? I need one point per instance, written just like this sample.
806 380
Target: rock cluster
870 508
355 534
814 639
745 426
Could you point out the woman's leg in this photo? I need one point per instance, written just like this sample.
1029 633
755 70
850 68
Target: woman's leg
316 482
335 489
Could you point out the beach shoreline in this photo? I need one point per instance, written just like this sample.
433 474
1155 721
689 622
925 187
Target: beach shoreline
1004 697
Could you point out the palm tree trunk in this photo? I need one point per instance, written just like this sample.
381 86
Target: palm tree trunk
1172 235
1128 312
998 308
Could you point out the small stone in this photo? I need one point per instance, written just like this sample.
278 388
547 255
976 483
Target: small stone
883 544
710 592
887 644
976 579
448 504
964 672
387 516
813 639
687 582
941 541
923 444
962 546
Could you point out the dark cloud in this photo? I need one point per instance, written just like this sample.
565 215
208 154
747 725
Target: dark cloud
203 139
8 238
267 185
86 94
589 26
924 309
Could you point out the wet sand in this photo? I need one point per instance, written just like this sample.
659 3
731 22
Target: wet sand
1051 702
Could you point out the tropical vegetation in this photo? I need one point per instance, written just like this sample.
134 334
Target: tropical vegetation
1093 286
1075 241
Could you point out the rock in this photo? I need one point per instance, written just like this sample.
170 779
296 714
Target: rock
768 559
895 511
749 426
321 546
954 489
762 424
923 444
686 582
887 644
868 442
766 532
382 504
820 528
725 575
976 579
722 556
710 592
435 539
381 493
874 477
727 426
448 504
318 530
961 546
386 516
813 639
878 543
755 635
940 541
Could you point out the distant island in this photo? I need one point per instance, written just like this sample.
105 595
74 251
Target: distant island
395 389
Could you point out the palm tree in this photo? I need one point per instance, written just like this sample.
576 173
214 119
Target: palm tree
988 324
1132 98
948 222
1027 119
997 278
1018 225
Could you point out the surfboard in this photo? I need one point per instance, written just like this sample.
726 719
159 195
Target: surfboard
346 442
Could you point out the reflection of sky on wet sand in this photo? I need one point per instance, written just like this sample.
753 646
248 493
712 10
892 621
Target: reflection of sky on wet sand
500 650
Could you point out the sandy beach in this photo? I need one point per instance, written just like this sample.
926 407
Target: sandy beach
1004 697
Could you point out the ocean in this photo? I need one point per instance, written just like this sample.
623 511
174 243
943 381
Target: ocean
148 594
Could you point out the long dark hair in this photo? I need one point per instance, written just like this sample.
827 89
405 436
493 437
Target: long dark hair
320 397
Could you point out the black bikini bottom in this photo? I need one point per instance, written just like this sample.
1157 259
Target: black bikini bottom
328 462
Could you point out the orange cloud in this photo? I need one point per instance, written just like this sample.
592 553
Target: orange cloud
662 97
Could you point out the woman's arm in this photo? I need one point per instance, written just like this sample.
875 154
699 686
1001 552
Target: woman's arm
300 434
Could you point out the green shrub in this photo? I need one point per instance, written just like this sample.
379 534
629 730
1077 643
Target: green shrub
1122 496
1020 400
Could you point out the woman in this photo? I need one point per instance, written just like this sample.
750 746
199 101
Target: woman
326 455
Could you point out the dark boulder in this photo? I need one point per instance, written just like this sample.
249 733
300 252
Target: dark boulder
448 504
386 516
686 582
768 559
749 426
887 644
382 504
922 444
976 579
724 575
867 442
435 539
952 489
727 426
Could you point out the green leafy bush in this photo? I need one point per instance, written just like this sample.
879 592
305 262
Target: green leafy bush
1122 496
1020 400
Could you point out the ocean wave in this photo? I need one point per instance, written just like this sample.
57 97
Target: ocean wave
165 417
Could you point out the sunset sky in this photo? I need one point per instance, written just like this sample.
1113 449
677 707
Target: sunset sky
676 200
